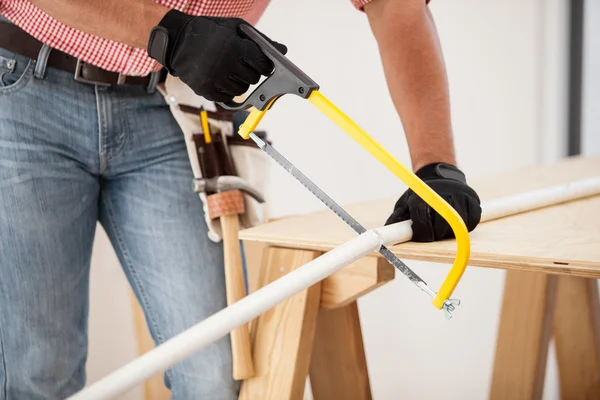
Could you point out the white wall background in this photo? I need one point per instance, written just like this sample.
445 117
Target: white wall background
506 78
590 142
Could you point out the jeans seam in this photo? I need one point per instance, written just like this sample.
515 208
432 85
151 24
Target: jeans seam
129 265
4 383
111 155
101 127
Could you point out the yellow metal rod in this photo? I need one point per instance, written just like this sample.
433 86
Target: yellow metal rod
413 182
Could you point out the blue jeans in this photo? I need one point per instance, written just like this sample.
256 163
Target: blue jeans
72 154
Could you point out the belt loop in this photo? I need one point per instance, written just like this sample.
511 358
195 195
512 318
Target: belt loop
42 62
154 78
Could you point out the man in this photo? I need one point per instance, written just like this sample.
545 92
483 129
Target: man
85 137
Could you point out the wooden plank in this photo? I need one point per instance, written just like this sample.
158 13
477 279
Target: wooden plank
577 338
523 337
355 280
283 336
560 240
154 388
338 369
557 240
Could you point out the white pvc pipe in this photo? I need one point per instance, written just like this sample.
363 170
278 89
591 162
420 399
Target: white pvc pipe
540 198
224 321
509 205
267 297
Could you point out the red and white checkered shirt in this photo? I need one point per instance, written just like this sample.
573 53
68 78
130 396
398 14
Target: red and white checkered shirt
116 56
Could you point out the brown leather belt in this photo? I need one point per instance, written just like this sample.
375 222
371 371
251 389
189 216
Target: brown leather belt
13 38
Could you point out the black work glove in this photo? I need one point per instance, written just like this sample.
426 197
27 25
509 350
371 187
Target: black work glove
209 54
427 225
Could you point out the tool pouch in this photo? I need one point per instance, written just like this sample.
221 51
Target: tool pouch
249 161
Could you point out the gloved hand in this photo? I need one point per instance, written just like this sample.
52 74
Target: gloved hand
427 225
209 54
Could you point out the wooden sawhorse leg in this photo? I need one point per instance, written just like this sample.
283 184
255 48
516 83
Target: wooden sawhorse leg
535 306
338 369
577 337
283 336
524 335
318 327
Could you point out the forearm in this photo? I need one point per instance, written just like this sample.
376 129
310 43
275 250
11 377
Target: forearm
415 72
128 22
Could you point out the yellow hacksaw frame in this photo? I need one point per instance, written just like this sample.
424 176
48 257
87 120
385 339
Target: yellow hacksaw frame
288 78
409 178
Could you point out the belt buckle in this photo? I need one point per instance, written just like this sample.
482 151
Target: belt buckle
79 78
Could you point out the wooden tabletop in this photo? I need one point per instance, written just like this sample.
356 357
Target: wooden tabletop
562 239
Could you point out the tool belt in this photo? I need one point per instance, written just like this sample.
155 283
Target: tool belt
13 38
250 163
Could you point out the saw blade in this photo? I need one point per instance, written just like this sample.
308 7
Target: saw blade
338 210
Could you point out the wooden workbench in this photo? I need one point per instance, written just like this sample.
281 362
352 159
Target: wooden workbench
553 260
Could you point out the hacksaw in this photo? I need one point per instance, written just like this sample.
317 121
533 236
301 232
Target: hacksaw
287 78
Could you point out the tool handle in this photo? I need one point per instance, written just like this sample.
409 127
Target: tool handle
243 366
286 77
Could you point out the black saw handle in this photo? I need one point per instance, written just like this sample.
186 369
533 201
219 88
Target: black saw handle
286 77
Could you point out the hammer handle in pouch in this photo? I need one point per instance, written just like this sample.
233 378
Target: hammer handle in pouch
243 366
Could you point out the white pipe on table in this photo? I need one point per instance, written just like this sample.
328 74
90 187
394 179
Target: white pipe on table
532 200
508 205
267 297
224 321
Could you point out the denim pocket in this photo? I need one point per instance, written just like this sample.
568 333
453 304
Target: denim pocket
15 72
